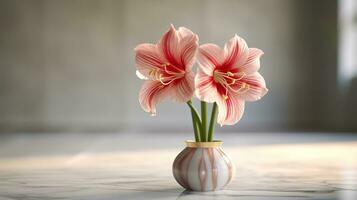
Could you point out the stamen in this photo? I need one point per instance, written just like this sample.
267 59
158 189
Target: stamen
173 78
233 81
165 65
151 72
243 86
161 80
230 73
154 73
172 73
226 79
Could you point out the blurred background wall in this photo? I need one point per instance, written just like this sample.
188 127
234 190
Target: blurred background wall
69 65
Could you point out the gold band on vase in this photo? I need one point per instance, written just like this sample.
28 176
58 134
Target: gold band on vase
213 144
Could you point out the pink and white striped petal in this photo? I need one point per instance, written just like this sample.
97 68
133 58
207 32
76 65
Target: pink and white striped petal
183 89
205 87
147 58
188 46
168 46
230 110
252 63
256 88
210 56
236 52
151 93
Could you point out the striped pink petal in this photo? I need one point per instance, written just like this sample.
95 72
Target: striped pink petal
183 90
168 46
252 63
210 56
188 44
230 110
255 87
205 87
147 58
151 93
236 52
179 47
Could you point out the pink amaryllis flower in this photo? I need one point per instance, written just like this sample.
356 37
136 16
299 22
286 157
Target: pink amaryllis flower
167 68
229 77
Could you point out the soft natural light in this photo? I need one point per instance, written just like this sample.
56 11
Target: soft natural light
347 62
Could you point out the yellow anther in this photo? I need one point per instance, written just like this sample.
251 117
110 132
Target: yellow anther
225 97
153 72
161 79
230 73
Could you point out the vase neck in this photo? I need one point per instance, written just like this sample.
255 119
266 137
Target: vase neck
213 144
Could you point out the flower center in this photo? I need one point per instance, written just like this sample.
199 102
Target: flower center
230 81
166 73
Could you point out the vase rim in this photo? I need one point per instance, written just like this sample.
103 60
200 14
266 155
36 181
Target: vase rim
194 144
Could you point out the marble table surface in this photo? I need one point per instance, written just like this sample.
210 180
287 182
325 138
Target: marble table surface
138 166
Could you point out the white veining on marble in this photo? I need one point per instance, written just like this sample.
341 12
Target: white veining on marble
317 170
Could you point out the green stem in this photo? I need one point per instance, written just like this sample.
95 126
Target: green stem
204 121
212 123
196 130
196 121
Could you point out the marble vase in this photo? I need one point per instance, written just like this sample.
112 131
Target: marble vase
203 166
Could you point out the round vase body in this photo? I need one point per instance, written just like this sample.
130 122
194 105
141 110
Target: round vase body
203 166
